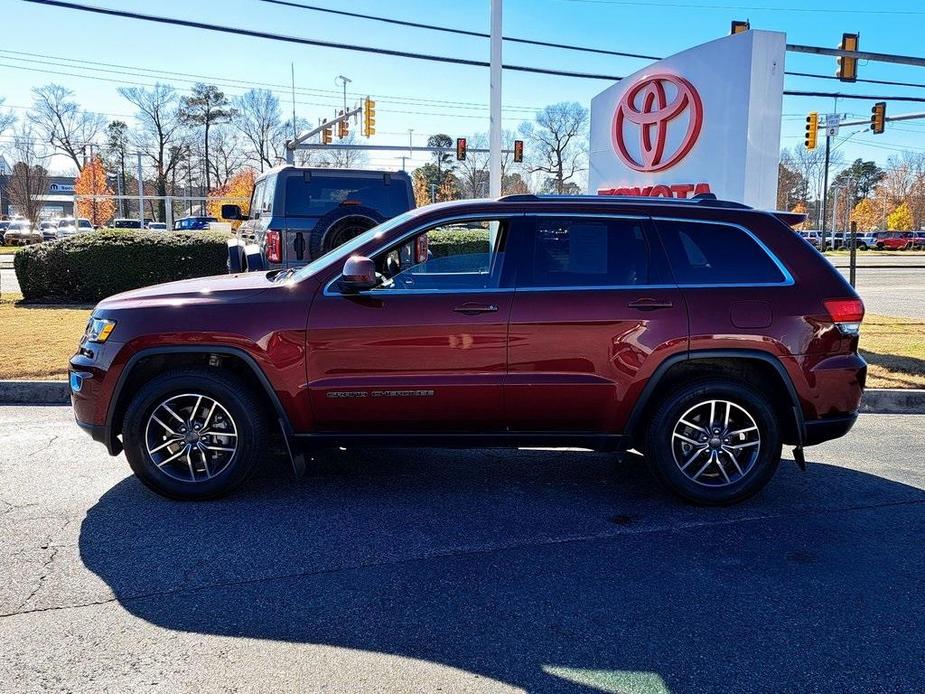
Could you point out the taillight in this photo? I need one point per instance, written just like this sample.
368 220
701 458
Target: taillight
847 314
274 246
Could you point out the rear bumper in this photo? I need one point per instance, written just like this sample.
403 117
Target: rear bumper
828 428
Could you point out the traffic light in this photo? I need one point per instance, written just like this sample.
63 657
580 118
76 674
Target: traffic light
738 26
878 117
343 127
812 126
848 67
326 136
460 149
518 151
369 117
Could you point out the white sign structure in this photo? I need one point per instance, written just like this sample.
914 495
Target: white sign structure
707 119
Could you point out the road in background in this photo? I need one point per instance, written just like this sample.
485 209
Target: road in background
8 281
892 291
461 570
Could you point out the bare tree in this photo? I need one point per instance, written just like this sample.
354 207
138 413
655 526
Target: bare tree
473 170
62 123
206 107
257 117
557 143
160 131
7 118
28 182
345 158
228 155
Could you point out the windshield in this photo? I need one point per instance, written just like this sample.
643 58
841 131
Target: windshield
351 245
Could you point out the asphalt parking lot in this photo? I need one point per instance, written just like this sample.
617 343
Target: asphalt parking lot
461 571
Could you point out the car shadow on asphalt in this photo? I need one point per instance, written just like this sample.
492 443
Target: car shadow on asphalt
545 570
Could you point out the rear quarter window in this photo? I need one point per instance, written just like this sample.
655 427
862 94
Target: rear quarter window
708 253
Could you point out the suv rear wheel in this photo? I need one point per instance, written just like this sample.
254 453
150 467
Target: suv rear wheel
714 442
194 433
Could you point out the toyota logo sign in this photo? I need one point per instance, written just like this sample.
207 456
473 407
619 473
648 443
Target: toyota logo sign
649 108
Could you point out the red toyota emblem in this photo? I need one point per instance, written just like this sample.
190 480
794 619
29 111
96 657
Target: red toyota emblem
646 104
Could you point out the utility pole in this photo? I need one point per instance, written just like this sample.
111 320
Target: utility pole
141 192
344 81
494 156
825 184
295 132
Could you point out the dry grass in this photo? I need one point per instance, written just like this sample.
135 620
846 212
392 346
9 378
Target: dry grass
9 250
38 340
895 351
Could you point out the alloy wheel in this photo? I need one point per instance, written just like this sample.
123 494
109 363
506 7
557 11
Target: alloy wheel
191 437
716 443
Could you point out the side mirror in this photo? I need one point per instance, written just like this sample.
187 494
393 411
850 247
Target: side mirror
359 274
232 212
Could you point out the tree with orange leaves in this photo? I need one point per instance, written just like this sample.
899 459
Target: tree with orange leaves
90 182
237 191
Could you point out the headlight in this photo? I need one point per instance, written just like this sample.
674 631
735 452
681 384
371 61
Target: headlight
99 329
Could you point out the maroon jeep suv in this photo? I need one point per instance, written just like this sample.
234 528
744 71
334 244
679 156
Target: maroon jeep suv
702 333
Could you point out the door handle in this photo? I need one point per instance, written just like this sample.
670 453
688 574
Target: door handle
475 309
649 304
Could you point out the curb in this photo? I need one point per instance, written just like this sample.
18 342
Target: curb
893 401
876 400
34 393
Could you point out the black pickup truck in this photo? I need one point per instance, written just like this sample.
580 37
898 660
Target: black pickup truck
297 213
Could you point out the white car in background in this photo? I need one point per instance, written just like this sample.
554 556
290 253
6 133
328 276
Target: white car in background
49 230
70 226
21 233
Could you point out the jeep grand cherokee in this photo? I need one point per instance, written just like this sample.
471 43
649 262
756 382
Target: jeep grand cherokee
702 333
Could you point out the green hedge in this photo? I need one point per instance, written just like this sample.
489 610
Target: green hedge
93 265
453 242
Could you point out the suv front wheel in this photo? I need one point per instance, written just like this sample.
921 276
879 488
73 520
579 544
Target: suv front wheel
194 433
714 442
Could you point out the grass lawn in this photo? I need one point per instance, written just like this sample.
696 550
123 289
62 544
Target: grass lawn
37 340
9 250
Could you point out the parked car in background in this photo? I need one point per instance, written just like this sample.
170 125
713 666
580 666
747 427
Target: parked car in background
21 233
897 241
699 332
68 226
4 225
157 226
298 214
126 224
195 223
49 230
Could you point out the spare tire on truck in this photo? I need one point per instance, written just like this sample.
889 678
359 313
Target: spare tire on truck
339 226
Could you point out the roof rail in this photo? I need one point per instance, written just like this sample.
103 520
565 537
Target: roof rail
705 199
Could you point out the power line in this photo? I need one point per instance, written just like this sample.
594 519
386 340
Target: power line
862 97
571 47
452 30
752 8
430 57
301 103
239 31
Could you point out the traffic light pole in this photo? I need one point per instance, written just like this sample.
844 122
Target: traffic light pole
825 186
293 145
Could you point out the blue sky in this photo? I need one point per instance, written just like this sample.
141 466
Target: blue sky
431 97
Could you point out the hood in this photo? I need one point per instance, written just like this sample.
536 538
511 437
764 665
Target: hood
201 290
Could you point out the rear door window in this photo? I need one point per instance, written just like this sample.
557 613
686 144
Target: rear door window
708 253
318 194
588 252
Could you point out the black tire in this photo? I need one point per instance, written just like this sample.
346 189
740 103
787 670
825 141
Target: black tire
340 225
247 417
663 446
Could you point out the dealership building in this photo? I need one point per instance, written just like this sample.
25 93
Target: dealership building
58 201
